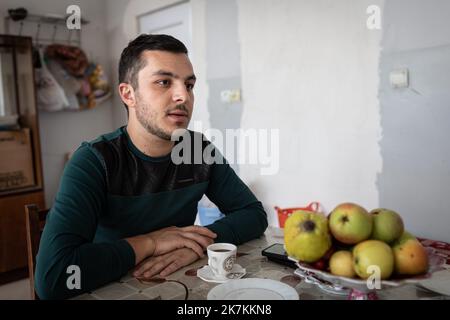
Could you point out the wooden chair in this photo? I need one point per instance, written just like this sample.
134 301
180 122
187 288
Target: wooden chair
35 221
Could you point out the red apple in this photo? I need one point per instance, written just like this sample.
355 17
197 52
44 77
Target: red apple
350 223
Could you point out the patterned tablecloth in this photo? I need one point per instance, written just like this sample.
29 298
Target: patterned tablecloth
184 284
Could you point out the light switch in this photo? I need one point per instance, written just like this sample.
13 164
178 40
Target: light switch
399 78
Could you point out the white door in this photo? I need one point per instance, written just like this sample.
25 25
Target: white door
174 20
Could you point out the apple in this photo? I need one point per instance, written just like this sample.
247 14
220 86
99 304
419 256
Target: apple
306 236
373 253
411 258
341 264
405 236
323 263
350 223
387 225
320 264
329 253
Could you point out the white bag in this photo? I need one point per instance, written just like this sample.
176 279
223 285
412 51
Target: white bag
50 95
70 85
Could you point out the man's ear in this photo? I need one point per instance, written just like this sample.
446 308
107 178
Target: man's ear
127 94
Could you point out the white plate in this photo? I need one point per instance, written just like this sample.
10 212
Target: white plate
207 274
253 289
439 282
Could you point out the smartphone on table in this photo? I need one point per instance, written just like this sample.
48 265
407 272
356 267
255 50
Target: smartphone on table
276 253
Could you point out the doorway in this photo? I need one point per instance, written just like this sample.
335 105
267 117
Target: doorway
174 20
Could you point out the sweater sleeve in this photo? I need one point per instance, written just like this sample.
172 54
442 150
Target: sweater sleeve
69 231
245 218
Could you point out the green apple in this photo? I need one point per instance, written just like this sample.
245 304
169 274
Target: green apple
405 236
373 253
350 223
387 225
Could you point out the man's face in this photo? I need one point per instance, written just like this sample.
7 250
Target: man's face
164 97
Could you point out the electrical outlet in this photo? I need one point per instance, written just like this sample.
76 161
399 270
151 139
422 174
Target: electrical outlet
230 96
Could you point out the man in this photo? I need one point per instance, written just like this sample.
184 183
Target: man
123 203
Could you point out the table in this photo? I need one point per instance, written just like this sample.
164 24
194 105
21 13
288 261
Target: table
185 284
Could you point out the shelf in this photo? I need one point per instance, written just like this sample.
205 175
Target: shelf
53 19
46 24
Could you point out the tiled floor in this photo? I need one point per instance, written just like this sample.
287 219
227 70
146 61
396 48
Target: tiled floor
18 290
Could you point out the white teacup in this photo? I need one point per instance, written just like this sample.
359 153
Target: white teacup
221 258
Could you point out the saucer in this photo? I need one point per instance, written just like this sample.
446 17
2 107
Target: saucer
207 274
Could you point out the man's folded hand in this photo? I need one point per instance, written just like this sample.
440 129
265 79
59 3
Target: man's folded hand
165 264
195 238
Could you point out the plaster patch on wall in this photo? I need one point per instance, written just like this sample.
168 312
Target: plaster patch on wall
311 70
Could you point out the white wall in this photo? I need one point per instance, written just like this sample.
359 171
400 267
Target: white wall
63 132
416 154
415 24
311 70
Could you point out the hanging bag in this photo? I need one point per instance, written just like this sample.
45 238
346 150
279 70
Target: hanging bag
50 95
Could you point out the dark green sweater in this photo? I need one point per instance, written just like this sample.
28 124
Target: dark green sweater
110 191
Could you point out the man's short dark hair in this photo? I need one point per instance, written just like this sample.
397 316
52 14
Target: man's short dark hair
130 60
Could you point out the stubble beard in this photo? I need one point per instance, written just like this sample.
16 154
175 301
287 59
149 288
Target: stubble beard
147 118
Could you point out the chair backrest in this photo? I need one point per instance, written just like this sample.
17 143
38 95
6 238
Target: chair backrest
35 221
